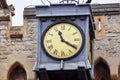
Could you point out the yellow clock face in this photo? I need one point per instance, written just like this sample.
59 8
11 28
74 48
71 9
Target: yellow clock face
62 41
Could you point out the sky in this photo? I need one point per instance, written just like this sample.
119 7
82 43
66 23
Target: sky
17 19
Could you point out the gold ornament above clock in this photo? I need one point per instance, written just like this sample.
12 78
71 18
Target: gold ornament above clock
63 40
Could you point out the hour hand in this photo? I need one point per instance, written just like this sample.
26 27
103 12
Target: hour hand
60 34
62 40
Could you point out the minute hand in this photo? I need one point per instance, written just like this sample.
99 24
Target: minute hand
69 44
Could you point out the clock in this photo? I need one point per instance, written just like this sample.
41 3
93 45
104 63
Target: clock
63 40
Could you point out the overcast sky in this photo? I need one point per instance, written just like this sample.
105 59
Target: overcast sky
17 20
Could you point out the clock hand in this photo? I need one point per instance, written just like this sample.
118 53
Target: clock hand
60 34
62 40
70 44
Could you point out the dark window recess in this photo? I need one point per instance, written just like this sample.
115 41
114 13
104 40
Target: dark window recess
16 36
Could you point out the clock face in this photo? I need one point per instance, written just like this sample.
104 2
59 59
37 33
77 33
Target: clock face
62 41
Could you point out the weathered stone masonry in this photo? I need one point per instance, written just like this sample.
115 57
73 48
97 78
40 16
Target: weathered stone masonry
21 50
107 42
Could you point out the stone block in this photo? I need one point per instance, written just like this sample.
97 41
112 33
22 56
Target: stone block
31 56
32 20
3 40
4 13
3 27
26 52
26 39
30 31
116 31
99 53
3 48
6 52
112 35
3 32
28 43
1 36
19 47
3 57
9 40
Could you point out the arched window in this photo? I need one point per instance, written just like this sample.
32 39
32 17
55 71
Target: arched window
114 77
36 76
17 72
102 79
101 70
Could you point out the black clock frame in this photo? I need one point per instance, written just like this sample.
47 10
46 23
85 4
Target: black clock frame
83 40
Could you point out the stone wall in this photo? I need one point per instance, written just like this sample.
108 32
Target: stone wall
21 50
107 42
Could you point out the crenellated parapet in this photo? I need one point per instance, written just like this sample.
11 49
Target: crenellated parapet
6 11
3 4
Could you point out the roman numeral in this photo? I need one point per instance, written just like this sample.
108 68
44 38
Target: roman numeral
69 29
50 34
74 33
63 27
70 51
49 41
55 51
62 53
76 39
50 47
56 29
